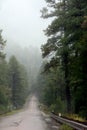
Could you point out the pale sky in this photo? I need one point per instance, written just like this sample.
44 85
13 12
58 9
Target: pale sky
21 22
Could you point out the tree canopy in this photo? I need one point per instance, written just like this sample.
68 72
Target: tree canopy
67 35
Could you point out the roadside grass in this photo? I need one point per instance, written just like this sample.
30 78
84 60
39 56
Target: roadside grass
75 117
65 127
14 111
11 113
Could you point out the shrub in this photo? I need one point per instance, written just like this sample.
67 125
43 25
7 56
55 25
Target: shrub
2 109
75 117
59 106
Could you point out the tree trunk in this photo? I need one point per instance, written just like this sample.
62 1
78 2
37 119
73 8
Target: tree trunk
67 88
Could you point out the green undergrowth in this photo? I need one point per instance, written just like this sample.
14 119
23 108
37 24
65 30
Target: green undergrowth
11 113
44 108
65 127
75 117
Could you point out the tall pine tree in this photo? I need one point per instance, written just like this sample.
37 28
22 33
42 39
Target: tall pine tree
67 38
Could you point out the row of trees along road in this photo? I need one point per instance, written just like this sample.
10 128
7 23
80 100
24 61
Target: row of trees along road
66 71
13 82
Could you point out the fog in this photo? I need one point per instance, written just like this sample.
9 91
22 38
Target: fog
21 22
23 29
29 56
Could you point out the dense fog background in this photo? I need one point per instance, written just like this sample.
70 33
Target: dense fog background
21 22
23 29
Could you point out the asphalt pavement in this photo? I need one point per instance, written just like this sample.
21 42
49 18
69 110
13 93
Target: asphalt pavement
30 118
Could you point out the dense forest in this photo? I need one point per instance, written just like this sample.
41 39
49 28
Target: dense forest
13 81
60 78
29 56
62 83
19 67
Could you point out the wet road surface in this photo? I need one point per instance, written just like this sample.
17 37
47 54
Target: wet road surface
28 119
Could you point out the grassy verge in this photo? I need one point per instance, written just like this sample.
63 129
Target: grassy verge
11 113
65 127
75 117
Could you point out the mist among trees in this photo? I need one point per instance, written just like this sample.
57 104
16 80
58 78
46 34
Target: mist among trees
29 56
19 68
60 79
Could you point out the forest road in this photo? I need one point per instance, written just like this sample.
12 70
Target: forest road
28 119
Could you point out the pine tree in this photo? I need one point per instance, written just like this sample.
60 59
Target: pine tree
18 82
58 42
67 38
